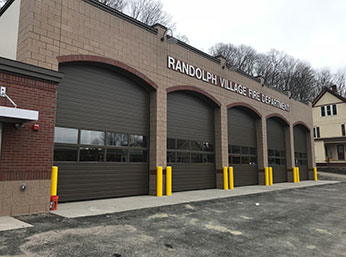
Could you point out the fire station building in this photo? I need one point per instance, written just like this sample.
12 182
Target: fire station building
108 99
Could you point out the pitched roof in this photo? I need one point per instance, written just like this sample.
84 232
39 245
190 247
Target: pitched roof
324 90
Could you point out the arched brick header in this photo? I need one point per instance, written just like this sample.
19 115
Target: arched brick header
112 62
195 89
245 105
303 124
278 116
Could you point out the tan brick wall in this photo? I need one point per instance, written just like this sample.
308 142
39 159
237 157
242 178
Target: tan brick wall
53 28
34 199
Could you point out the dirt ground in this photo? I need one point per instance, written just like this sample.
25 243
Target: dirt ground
300 222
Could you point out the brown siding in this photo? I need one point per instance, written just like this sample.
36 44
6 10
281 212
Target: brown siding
99 98
190 117
300 145
242 132
276 141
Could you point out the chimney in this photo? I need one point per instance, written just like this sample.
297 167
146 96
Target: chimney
334 88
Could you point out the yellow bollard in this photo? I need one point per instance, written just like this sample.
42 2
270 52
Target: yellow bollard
294 175
266 174
315 174
169 180
298 176
231 179
159 182
225 178
271 176
54 181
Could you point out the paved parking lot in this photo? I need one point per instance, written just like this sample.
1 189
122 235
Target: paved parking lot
299 222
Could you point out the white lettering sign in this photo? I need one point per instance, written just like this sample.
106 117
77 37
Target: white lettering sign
211 78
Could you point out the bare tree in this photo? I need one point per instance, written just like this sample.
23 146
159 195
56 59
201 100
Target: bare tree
281 72
149 12
116 4
146 11
241 57
182 38
339 79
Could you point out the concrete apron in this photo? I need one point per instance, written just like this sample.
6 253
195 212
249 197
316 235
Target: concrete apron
107 206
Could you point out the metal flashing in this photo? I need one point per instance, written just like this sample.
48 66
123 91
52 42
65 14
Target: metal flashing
28 70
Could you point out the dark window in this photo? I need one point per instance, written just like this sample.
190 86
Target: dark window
276 157
65 153
208 147
66 135
116 139
236 149
183 157
277 153
171 157
138 156
116 155
208 158
245 160
314 132
242 155
271 161
196 157
171 143
334 109
343 129
138 141
328 110
90 137
196 146
187 151
318 131
270 152
277 161
323 112
235 160
91 154
253 151
300 158
253 159
244 150
183 144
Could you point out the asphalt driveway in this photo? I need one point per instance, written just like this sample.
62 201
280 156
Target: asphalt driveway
300 222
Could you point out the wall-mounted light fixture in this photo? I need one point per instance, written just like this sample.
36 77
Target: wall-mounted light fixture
170 39
18 125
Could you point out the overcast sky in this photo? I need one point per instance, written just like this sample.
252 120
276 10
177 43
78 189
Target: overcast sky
311 30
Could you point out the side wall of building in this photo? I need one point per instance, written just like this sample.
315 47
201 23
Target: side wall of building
53 32
27 155
330 126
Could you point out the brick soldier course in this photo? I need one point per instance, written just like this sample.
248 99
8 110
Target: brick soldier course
53 32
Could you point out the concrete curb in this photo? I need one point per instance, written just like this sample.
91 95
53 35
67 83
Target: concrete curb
116 205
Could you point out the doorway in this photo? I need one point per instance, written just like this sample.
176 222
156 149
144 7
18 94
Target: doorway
341 152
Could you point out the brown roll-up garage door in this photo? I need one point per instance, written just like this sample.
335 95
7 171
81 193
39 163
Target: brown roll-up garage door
242 146
102 133
190 141
276 149
300 150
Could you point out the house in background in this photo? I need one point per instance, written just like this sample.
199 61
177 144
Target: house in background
329 119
